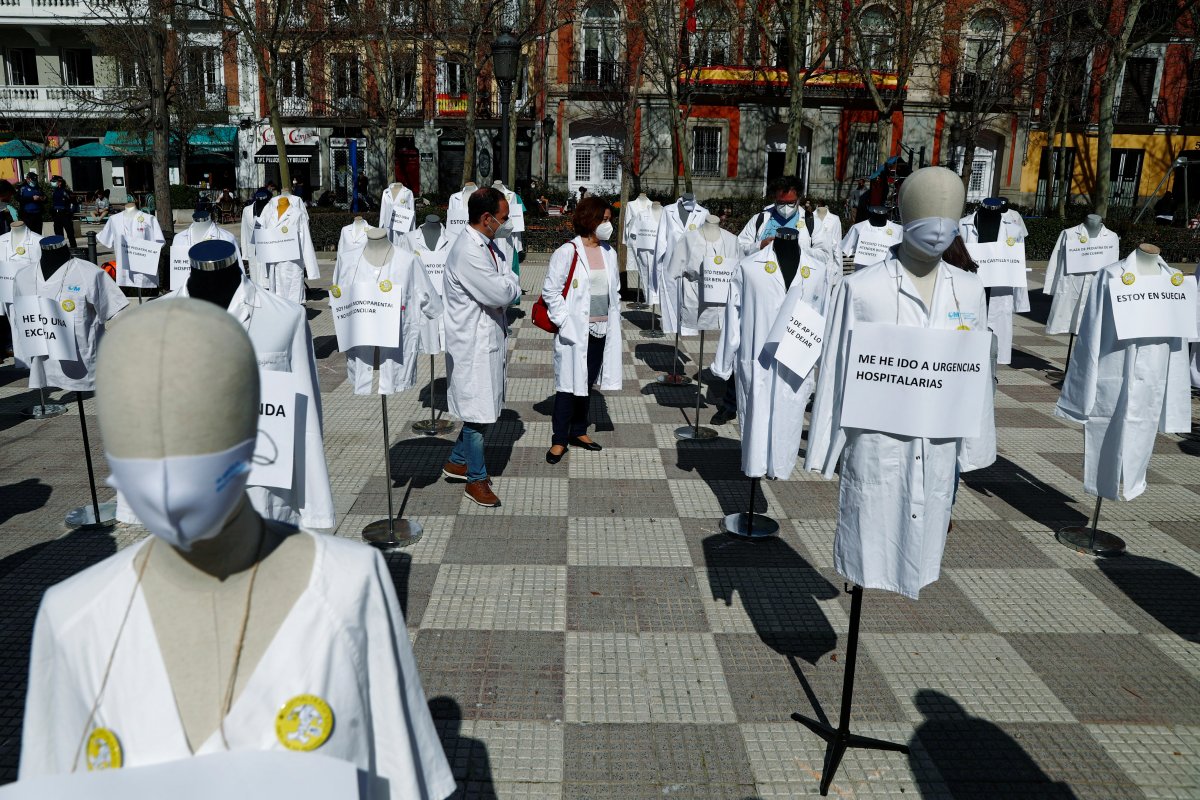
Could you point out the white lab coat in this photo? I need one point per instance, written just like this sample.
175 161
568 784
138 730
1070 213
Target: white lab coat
422 306
1069 291
889 235
433 334
388 203
1195 346
896 492
352 237
97 299
516 215
771 398
1004 299
478 290
344 640
571 313
456 209
671 227
286 278
691 255
756 226
278 329
11 262
136 226
1123 391
641 232
186 239
246 239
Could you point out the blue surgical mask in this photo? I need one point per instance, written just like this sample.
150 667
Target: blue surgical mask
929 237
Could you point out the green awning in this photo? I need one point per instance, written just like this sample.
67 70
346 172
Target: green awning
133 144
94 150
19 148
220 138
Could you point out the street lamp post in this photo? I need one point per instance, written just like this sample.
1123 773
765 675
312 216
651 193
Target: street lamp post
506 49
547 132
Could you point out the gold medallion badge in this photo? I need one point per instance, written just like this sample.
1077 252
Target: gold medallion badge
771 267
335 290
805 271
1177 279
68 305
304 723
20 251
284 229
1083 239
103 750
1128 278
1010 241
718 259
385 286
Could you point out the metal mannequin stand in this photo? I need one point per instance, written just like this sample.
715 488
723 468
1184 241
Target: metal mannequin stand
695 432
1091 540
433 426
674 378
44 410
840 738
750 525
1058 375
97 517
390 533
641 305
653 332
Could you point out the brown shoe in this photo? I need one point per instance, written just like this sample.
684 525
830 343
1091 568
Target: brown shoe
454 472
481 493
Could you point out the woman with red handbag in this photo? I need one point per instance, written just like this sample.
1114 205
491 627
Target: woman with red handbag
582 297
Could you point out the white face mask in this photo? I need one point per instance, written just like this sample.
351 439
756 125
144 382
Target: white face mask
929 237
184 499
504 231
604 231
786 209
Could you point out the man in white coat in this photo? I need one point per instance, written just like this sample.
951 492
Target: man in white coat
479 285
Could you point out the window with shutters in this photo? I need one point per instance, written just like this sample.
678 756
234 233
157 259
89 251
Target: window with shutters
291 77
711 41
706 151
601 36
1125 173
203 70
864 153
1137 91
877 33
346 84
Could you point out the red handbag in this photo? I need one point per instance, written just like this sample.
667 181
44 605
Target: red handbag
541 313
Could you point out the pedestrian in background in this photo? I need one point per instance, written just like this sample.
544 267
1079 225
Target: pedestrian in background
32 198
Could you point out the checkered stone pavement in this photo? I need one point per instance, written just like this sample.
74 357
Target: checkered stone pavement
598 637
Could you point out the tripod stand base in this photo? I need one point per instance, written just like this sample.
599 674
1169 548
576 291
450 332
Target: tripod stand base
673 379
1056 375
839 741
1079 539
638 306
84 517
44 411
699 434
653 334
432 427
402 534
739 525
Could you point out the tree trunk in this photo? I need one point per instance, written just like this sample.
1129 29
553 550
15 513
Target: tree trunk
389 148
160 145
468 171
883 134
630 180
799 12
968 163
1104 135
510 180
1062 188
285 175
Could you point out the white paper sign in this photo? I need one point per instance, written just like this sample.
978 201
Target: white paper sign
912 381
181 269
799 335
434 262
8 273
402 217
1091 255
274 246
366 316
1154 307
142 256
231 775
873 245
42 327
516 213
715 279
276 445
456 220
1000 263
645 232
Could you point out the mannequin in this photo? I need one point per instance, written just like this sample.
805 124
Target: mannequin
431 231
872 239
219 611
987 219
681 216
710 247
54 255
136 225
1093 224
396 196
1069 289
711 229
19 232
215 281
353 235
990 223
1146 258
877 216
202 229
788 253
378 249
283 218
18 249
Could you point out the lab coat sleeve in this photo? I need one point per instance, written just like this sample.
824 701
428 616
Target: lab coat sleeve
44 732
826 438
108 235
980 451
337 267
748 238
680 264
552 287
424 295
850 240
247 234
155 231
488 285
1079 388
385 209
1054 268
317 511
399 713
731 332
109 298
308 254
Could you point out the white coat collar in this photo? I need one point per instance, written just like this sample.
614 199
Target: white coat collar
1081 230
270 214
1129 264
357 230
907 287
400 195
245 299
418 238
10 246
211 232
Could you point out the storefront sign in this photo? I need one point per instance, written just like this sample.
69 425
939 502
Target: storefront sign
292 136
1154 306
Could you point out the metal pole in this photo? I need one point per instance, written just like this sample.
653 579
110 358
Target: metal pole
432 386
392 533
433 426
387 469
97 521
1095 524
694 431
91 246
502 173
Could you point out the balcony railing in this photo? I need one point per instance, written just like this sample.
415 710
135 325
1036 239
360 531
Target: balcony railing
591 75
48 12
487 105
341 107
973 88
1139 114
62 99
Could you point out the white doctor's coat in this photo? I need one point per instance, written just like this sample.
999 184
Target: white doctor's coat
571 313
388 204
183 242
1069 291
421 307
671 227
896 492
138 226
1004 299
771 398
479 286
690 257
279 331
286 278
1123 391
433 334
343 640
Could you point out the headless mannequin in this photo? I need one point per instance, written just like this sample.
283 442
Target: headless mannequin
284 202
687 201
54 255
19 232
928 192
469 187
396 187
656 210
1146 259
186 370
877 216
822 212
641 199
1004 205
130 209
379 248
787 250
431 229
711 229
987 220
216 282
810 218
1093 225
200 227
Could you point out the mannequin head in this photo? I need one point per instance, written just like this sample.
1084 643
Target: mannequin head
991 206
216 272
432 219
931 198
130 207
877 215
1094 224
55 253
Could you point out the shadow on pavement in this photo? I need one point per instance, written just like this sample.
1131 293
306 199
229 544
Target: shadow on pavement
468 757
1163 590
23 497
1024 491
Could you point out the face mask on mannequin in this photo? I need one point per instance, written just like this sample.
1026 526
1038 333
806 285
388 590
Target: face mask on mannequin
604 231
931 236
184 499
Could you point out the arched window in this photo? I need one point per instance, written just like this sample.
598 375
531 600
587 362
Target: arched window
877 34
985 32
711 41
601 42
